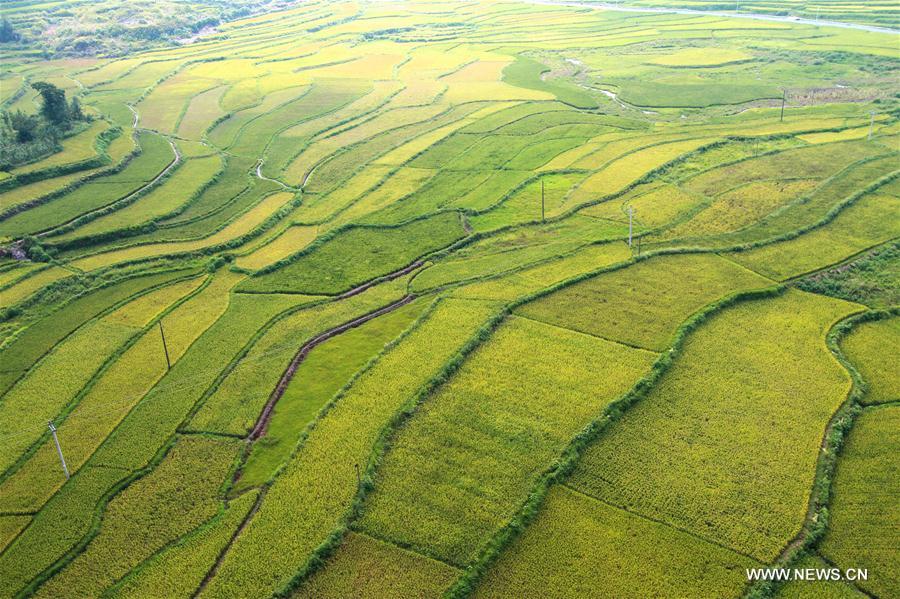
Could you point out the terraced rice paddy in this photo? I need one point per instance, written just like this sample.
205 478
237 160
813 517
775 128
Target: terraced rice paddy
463 299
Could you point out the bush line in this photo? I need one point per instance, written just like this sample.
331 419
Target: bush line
817 518
565 464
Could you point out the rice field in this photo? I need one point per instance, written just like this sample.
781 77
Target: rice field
454 299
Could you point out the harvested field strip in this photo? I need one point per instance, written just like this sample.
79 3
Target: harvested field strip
176 497
642 305
356 255
241 226
112 394
368 568
316 489
243 401
178 569
863 514
745 491
869 221
22 352
596 549
324 371
437 492
872 348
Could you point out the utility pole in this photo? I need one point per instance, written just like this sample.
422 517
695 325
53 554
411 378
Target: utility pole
630 219
58 448
542 200
783 99
871 123
358 477
165 347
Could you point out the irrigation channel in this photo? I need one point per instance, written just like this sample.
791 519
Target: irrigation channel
714 13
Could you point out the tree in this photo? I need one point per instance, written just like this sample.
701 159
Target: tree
75 112
7 33
54 107
25 126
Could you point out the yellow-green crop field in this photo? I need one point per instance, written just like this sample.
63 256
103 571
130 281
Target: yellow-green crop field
445 298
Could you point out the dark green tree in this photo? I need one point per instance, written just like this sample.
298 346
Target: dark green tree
75 112
7 33
54 106
25 126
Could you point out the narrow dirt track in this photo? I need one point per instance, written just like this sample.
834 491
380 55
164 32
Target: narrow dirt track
263 422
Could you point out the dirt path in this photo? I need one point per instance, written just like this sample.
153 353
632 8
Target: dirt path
175 162
263 422
260 175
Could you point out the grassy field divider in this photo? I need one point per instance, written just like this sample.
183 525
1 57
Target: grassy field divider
209 250
96 521
75 184
101 144
61 417
643 179
146 227
335 233
321 553
817 517
829 216
565 464
117 204
327 548
83 281
362 117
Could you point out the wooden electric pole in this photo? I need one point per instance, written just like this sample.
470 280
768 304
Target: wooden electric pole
165 347
783 99
630 219
62 460
358 477
542 201
871 124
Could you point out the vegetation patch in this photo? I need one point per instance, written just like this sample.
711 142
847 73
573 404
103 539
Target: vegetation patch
356 255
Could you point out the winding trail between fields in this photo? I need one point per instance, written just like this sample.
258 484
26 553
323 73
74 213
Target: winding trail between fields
260 175
715 13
